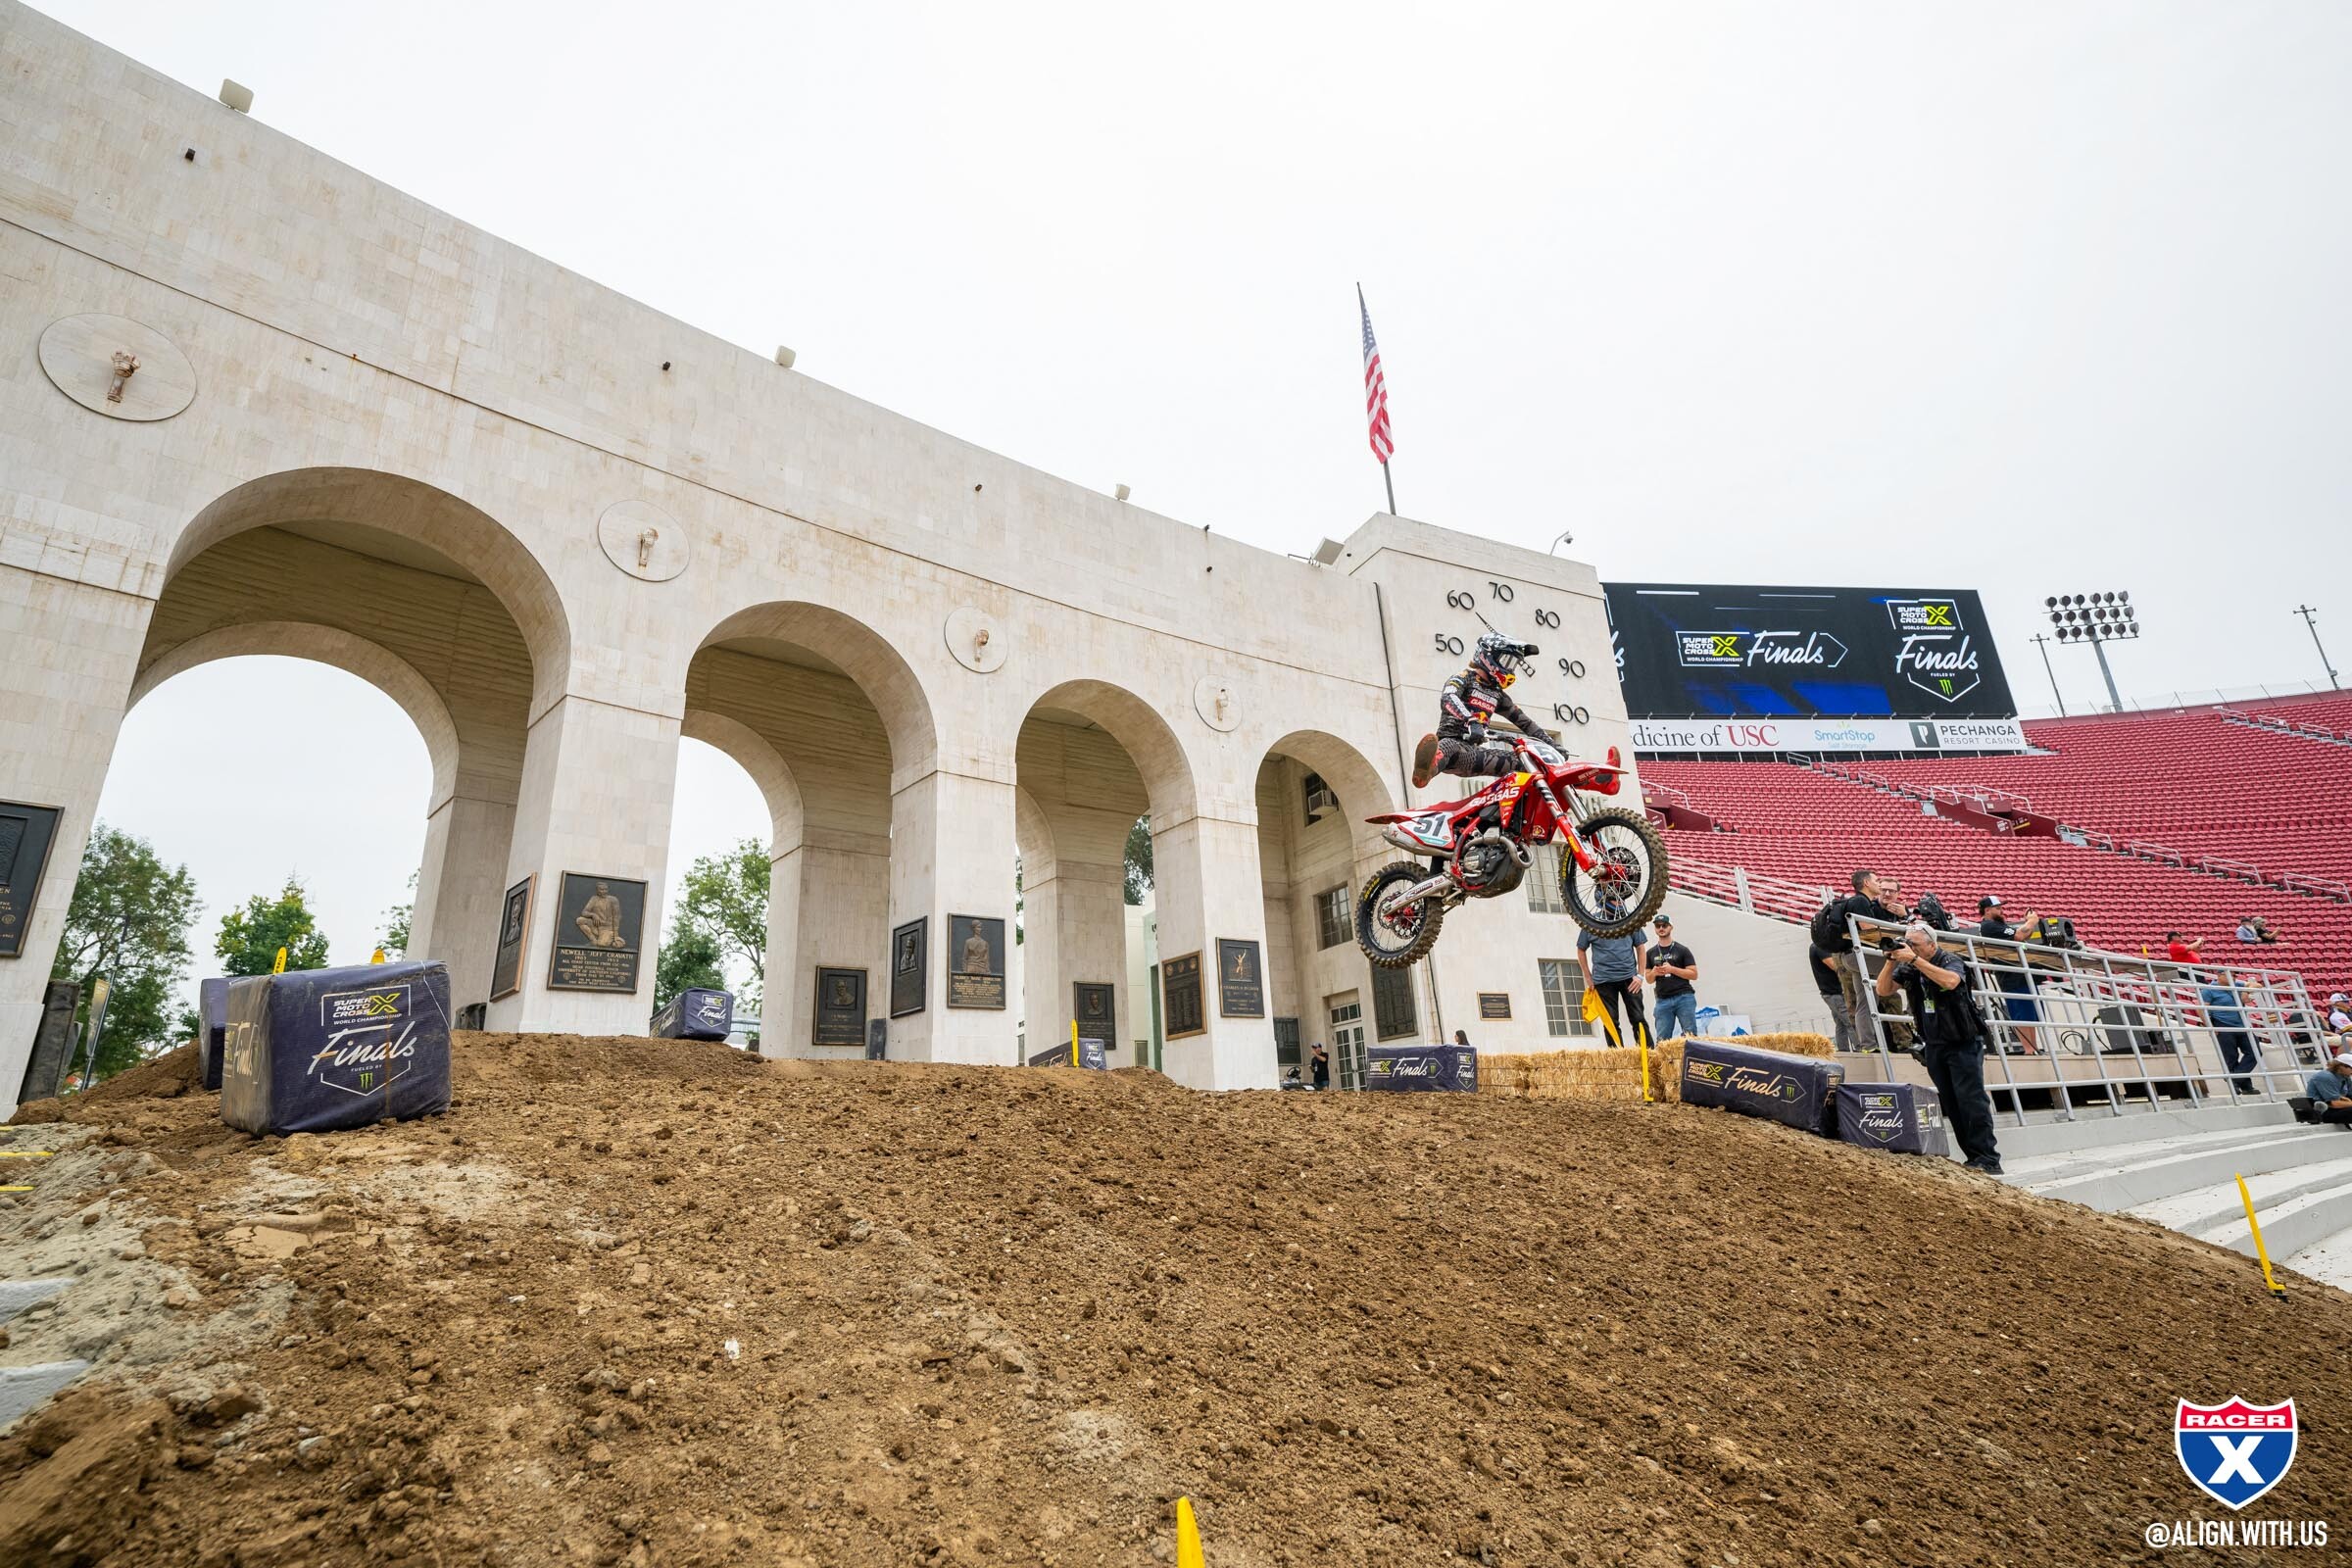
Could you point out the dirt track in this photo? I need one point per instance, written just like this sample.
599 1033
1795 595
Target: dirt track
652 1304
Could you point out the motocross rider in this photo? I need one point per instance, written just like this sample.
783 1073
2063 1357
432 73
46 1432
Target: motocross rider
1466 705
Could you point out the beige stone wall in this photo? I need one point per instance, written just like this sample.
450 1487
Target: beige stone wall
404 453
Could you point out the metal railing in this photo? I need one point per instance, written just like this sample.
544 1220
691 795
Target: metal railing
2076 1029
1751 891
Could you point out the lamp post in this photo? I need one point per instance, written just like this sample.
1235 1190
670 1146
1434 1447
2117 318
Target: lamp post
2311 624
2098 619
2044 644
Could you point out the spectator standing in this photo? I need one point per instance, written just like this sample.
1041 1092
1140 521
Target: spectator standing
1824 968
1672 980
2227 1021
1322 1066
1461 1037
1951 1037
2017 984
1612 968
2181 952
2330 1089
1871 901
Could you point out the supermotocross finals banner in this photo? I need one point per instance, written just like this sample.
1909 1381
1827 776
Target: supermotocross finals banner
1821 669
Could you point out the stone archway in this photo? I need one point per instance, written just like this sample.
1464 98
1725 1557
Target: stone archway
781 1019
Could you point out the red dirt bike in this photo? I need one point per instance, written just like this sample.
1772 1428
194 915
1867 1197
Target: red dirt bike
1612 869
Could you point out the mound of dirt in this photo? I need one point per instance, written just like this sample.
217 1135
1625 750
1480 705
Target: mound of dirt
650 1303
166 1077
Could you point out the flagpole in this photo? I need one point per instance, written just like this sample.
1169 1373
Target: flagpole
1392 488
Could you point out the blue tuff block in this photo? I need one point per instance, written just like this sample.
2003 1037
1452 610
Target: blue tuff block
1902 1117
1795 1090
322 1049
212 1010
694 1015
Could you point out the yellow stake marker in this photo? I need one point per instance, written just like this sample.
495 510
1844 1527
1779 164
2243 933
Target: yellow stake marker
1647 1098
1188 1535
279 967
379 956
1074 1061
2278 1292
28 1154
15 1188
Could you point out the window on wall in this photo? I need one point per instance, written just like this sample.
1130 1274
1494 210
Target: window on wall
1392 1011
1319 799
1544 881
1563 982
1331 916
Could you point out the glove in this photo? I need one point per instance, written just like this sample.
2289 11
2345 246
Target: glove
1474 735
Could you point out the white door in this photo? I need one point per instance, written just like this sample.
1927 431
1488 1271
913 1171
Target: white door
1348 1040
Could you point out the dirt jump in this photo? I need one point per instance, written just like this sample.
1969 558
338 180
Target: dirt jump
659 1304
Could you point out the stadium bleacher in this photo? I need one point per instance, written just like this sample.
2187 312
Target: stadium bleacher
2214 787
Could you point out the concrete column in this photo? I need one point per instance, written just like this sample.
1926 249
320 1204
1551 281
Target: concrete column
1091 944
844 888
1207 874
781 966
459 888
595 800
72 652
951 854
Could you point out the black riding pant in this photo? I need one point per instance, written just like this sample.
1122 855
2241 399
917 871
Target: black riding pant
1476 762
1958 1072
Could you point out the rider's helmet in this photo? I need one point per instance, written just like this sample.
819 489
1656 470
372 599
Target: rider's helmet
1500 660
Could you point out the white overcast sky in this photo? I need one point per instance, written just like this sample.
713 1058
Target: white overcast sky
2029 297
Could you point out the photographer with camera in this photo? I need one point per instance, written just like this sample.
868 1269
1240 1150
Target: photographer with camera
1951 1036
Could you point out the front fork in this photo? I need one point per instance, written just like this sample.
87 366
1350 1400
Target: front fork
1578 849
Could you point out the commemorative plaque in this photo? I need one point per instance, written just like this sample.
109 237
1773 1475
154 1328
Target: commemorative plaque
907 966
26 834
1094 1006
840 1007
1493 1005
877 1039
975 960
600 933
1180 994
1240 984
513 936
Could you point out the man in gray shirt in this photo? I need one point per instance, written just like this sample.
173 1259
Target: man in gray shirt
1612 968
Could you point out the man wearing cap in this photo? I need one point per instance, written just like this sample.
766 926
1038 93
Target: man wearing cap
1672 973
2340 1014
2016 982
2330 1089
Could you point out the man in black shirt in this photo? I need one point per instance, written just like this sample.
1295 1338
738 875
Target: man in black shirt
1951 1037
1872 902
1673 976
1824 968
2016 983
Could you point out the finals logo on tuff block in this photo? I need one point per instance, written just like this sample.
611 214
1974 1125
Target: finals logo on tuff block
369 1039
2237 1452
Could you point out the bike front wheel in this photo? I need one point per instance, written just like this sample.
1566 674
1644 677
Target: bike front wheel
1393 931
1628 879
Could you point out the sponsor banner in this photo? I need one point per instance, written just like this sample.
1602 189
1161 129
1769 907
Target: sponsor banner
1735 651
1655 735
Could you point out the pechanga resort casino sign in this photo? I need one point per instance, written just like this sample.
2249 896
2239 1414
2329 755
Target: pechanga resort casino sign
1792 656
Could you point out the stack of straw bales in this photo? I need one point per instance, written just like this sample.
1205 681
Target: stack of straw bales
1614 1072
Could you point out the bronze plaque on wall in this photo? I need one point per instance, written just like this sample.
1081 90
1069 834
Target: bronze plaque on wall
840 1007
1493 1005
600 933
910 968
975 960
26 833
1094 1007
1180 991
513 937
1240 984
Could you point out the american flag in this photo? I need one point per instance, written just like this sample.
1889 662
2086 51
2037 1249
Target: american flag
1376 389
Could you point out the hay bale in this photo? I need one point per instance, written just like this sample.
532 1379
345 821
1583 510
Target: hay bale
1614 1072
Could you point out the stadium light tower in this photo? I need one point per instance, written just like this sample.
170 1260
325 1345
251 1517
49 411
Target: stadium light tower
2097 619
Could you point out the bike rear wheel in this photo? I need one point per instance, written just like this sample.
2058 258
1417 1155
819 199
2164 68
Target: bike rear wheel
1391 936
1628 881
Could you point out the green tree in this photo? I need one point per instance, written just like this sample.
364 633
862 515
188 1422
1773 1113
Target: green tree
397 919
1139 859
128 921
724 899
251 937
689 958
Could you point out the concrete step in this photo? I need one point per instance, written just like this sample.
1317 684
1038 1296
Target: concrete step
24 1389
2206 1210
2099 1128
2330 1261
2293 1226
2130 1175
18 1295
